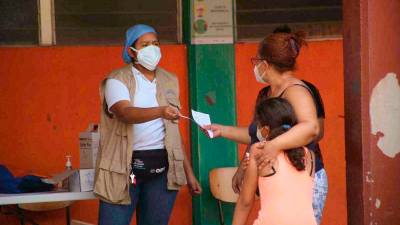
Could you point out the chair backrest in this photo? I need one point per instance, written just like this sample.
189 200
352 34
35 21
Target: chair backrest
221 184
45 206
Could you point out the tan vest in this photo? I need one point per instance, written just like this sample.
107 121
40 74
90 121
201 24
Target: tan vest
116 138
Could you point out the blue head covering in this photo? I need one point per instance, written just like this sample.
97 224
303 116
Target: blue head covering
132 34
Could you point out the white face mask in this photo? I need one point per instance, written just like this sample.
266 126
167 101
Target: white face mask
259 135
148 57
258 75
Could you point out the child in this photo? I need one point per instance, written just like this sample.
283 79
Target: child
286 187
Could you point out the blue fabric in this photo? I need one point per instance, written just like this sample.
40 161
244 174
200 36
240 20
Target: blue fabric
14 185
31 183
314 146
153 200
8 183
253 133
132 34
319 195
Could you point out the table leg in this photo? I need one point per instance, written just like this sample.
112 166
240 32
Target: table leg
68 215
23 218
21 215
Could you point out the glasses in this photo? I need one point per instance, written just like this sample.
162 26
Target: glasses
255 60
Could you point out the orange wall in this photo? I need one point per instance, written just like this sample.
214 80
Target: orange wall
322 64
49 95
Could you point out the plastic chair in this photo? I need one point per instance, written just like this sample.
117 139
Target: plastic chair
221 187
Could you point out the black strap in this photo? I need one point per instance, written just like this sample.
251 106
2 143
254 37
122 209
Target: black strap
271 174
309 90
312 163
265 92
302 85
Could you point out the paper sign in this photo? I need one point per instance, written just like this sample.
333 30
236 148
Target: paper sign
212 22
82 180
202 119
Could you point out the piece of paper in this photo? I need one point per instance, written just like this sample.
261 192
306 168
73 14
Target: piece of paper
58 177
202 119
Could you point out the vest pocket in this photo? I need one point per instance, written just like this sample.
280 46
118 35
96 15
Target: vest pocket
114 154
112 178
111 185
178 166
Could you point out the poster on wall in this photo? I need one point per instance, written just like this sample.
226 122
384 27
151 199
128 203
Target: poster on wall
212 22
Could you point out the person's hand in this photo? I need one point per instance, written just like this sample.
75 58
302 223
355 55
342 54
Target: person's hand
215 128
245 162
267 155
194 185
237 179
170 113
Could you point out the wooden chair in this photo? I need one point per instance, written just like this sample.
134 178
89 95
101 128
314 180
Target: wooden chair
221 187
45 206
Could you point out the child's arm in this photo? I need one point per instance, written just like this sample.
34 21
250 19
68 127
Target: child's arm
246 197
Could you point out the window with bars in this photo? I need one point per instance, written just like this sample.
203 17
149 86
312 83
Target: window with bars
19 22
105 21
257 18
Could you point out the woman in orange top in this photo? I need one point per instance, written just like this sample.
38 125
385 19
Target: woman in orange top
286 187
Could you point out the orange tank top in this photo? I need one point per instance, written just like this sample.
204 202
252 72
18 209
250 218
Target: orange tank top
286 196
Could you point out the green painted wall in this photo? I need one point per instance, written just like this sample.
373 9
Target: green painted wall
212 90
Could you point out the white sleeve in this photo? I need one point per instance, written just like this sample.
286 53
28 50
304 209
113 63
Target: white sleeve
115 91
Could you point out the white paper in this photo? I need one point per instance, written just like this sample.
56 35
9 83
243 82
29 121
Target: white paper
82 180
202 119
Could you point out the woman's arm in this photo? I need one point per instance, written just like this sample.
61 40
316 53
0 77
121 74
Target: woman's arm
321 133
236 134
246 197
319 104
117 98
307 127
193 183
303 133
129 114
237 179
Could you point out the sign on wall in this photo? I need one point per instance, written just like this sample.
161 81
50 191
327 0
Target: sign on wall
212 22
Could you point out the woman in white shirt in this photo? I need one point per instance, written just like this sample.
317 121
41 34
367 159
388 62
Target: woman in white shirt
149 192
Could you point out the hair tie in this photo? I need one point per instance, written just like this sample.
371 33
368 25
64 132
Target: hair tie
294 45
286 126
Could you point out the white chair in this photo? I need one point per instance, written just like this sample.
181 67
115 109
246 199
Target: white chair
221 187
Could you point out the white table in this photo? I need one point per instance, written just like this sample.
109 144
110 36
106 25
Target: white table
12 199
41 197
